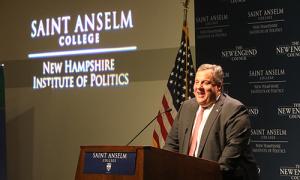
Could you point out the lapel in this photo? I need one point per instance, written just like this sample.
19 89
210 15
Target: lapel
210 121
189 125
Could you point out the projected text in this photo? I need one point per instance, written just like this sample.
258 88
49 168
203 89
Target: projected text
84 30
80 74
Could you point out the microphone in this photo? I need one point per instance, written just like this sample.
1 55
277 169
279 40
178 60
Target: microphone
160 113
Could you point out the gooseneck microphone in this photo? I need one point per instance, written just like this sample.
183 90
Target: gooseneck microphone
160 113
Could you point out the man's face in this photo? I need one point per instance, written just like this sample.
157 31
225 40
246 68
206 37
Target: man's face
205 90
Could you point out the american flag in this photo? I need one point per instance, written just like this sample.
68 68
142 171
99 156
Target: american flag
179 88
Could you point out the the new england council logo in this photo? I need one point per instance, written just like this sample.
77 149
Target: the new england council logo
239 53
292 172
289 50
108 167
289 111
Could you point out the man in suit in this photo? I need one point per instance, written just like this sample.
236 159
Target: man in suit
214 126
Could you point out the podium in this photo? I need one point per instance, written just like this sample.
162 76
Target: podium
141 163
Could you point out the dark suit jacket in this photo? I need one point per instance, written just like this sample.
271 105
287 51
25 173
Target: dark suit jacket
225 137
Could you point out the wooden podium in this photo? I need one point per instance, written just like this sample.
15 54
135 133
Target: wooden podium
141 163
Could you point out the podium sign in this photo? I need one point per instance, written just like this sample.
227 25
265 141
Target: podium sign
120 163
141 163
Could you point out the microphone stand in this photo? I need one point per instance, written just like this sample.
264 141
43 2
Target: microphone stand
168 110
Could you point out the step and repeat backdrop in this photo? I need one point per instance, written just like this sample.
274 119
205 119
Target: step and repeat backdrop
257 44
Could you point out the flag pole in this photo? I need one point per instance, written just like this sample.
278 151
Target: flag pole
185 9
185 26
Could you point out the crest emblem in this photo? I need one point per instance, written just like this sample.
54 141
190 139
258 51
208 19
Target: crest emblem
108 166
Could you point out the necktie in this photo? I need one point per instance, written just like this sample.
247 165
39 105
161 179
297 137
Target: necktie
193 142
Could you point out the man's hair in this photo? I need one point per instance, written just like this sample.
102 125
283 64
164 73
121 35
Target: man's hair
218 74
